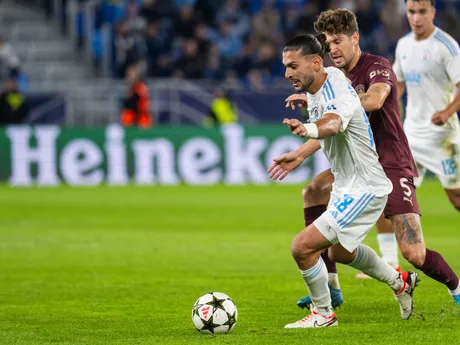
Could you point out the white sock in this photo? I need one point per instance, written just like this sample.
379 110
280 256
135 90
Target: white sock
388 248
368 262
333 280
316 279
456 291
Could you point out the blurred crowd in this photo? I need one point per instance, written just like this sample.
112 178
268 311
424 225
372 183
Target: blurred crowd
240 40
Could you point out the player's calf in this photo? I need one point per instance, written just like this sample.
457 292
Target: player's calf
408 231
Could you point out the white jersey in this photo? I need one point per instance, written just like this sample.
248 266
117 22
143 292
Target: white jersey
431 69
354 160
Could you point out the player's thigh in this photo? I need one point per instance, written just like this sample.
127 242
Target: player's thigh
403 198
318 191
352 215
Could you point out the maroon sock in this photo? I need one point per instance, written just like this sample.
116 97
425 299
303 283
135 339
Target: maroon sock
311 214
438 269
330 265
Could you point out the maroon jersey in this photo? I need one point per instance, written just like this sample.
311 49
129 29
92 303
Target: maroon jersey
386 123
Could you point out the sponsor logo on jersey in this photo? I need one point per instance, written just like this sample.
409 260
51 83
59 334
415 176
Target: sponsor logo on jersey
413 77
382 72
330 107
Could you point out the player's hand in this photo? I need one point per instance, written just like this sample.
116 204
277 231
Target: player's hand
296 127
284 164
440 118
297 100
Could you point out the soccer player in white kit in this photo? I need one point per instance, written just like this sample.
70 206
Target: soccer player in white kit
427 65
360 190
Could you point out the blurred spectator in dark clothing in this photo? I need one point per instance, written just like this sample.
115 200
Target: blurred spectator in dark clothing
156 46
189 66
14 107
231 12
214 70
267 60
266 24
201 37
308 18
289 21
185 22
205 11
136 105
130 48
245 62
367 16
148 11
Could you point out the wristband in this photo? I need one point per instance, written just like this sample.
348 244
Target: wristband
312 130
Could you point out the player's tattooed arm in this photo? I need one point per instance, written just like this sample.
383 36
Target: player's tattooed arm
375 97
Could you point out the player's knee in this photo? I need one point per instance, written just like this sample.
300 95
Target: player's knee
415 255
301 249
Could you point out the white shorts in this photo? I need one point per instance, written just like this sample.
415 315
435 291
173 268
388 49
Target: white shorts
350 217
441 159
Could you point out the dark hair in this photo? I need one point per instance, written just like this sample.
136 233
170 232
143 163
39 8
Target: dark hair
308 45
432 2
337 22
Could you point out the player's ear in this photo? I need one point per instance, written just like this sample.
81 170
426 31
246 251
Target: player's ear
316 62
355 37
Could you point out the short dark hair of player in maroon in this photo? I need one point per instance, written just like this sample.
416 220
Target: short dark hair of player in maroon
337 22
432 2
308 45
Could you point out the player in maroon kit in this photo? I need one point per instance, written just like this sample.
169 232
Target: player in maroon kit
375 82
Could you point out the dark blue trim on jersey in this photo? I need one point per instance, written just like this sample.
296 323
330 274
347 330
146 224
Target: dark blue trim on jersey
446 41
330 88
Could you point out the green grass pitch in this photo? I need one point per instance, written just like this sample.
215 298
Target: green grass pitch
125 265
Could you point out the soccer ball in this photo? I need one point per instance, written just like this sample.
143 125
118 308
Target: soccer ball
214 313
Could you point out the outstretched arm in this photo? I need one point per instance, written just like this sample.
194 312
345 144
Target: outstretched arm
327 126
289 161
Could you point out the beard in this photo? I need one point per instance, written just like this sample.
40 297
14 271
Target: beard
306 83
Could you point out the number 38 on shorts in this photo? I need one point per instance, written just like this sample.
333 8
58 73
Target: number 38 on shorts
346 208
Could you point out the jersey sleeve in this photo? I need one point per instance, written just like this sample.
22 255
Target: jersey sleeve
379 71
343 102
397 64
452 61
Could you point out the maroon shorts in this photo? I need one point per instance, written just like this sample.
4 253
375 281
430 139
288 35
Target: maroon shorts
403 198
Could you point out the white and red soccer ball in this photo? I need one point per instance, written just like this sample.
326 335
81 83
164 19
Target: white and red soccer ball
214 313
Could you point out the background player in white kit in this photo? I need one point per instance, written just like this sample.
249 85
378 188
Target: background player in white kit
428 66
360 190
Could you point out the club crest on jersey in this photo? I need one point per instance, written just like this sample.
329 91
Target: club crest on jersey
426 55
360 89
315 113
